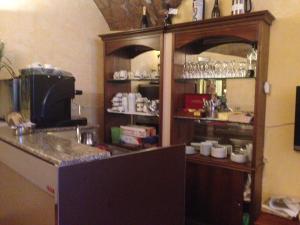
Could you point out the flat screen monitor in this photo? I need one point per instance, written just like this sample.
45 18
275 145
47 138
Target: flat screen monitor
297 121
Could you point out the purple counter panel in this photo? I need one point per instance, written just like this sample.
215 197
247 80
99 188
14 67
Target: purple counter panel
143 188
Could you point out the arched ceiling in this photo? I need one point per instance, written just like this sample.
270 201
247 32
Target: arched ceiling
126 14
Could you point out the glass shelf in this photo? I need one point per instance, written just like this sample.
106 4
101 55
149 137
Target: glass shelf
130 80
212 78
208 120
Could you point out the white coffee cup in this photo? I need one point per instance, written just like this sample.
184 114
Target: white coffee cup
213 142
116 99
121 109
238 157
189 150
123 75
205 148
219 152
229 148
196 145
116 75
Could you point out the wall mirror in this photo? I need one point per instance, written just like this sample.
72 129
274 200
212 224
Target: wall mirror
227 70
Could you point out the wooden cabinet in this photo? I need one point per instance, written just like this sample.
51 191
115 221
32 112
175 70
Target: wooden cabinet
214 195
120 52
215 187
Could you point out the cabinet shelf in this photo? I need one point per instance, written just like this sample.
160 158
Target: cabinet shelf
223 163
129 147
130 80
132 114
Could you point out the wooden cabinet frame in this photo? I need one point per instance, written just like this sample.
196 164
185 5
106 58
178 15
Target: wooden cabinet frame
119 49
251 28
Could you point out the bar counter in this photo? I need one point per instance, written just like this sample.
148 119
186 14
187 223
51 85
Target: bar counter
48 146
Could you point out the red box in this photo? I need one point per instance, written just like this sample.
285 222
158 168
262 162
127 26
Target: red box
195 101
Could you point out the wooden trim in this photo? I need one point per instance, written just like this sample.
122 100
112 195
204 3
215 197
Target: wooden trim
254 27
132 33
222 163
129 46
265 16
142 188
161 87
172 91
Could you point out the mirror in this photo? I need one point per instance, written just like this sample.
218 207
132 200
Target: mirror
222 70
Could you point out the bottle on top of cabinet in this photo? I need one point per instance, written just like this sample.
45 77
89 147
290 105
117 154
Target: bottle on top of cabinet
198 10
216 10
241 6
144 20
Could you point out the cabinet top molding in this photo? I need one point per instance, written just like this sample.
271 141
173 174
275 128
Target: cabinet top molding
264 16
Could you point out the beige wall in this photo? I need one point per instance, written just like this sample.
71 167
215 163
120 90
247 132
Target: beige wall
282 172
63 33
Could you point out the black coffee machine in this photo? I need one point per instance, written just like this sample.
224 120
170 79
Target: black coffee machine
45 98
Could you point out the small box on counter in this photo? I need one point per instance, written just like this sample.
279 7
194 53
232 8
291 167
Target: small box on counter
147 141
138 131
195 101
131 140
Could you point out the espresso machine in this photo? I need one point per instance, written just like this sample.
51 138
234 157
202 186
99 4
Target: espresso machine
45 97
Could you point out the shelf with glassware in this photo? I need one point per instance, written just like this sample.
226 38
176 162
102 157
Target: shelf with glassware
132 84
207 84
218 110
205 78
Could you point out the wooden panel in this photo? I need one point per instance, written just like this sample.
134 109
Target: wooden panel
144 188
221 163
248 32
256 195
268 219
22 203
260 96
214 195
152 42
182 131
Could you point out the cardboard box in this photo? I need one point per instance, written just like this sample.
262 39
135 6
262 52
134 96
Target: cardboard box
138 131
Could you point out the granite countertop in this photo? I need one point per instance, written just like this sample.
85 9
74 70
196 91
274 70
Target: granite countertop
59 151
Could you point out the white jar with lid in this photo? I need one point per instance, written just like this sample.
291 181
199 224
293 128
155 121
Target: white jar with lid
131 103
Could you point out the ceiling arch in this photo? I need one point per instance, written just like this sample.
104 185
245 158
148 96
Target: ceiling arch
126 14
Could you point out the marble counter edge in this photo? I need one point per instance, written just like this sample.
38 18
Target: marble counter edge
91 155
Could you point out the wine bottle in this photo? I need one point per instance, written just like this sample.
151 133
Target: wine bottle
144 20
198 10
216 10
